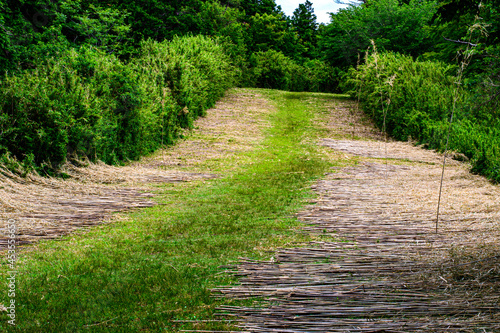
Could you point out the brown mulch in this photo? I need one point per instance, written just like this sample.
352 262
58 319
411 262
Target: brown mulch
387 270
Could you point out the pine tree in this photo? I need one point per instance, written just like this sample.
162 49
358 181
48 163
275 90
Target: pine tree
304 23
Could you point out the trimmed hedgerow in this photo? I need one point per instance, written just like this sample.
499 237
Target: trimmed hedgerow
195 70
416 100
87 103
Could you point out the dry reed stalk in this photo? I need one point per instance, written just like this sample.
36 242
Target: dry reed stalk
388 271
463 65
47 207
353 122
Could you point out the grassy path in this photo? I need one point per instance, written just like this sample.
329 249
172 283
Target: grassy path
153 269
230 193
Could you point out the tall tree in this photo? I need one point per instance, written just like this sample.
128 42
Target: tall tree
304 23
392 24
266 32
252 7
475 25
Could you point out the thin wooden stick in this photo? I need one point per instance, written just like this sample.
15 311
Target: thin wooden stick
465 62
442 173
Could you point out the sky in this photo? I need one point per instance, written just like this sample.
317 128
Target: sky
321 8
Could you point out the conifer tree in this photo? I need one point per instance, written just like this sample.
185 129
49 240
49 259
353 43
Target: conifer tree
304 23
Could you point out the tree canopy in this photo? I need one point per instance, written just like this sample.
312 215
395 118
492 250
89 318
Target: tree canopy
392 25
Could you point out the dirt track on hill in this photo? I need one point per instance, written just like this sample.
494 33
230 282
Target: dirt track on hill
388 270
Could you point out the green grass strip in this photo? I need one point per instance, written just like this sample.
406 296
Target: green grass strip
158 265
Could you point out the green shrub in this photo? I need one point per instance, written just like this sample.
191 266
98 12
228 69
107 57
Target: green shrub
272 69
321 77
416 100
87 103
38 110
418 92
195 69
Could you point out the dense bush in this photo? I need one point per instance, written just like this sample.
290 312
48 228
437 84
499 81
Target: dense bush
87 103
195 70
416 100
272 69
321 77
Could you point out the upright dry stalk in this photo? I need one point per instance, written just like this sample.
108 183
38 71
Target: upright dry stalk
463 65
375 61
360 82
390 82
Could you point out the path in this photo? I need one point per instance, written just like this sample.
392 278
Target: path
383 267
387 270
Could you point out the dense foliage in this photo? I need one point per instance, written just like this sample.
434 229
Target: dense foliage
394 26
437 58
304 23
272 69
413 99
404 93
115 80
91 104
34 29
127 90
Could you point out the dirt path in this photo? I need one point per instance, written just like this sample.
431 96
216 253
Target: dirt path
387 270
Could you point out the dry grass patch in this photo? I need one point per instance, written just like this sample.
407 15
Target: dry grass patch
394 273
47 207
347 120
234 125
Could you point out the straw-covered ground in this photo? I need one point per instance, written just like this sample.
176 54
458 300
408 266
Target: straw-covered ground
229 190
390 271
46 208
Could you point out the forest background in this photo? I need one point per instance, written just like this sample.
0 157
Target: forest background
115 80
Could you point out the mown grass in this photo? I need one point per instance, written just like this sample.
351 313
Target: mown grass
157 265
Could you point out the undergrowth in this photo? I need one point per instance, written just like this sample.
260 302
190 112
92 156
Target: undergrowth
85 103
419 108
